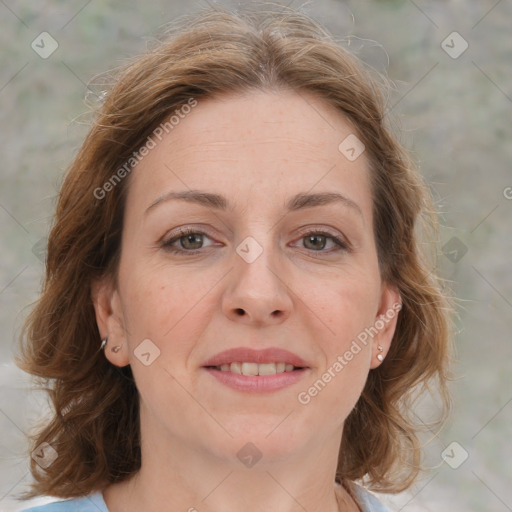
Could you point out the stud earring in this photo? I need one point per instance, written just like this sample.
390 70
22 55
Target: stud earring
380 357
116 349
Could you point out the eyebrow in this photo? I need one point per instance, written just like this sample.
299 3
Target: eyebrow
219 202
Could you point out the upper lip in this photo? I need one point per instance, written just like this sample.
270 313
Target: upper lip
249 355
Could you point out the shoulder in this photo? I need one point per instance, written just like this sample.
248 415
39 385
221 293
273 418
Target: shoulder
91 503
368 501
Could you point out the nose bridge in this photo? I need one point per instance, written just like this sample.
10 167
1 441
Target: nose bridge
257 291
257 262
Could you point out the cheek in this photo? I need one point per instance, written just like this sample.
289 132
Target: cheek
344 306
337 383
169 310
165 305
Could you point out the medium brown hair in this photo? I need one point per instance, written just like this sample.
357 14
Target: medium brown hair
216 52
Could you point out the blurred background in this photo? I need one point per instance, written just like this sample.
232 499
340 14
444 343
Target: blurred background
451 64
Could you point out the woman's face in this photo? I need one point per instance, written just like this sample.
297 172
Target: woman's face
279 255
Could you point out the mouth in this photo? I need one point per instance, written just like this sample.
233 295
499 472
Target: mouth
256 371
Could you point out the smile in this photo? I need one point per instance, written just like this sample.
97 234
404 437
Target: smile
257 371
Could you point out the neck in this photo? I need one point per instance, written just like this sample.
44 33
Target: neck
131 495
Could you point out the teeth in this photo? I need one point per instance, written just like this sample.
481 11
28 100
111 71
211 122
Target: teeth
257 369
267 369
250 368
234 367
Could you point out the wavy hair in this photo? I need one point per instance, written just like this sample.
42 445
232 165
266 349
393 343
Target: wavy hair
211 53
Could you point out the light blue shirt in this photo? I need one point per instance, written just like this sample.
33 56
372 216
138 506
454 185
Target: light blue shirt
95 503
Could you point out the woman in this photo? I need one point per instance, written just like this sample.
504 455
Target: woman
236 313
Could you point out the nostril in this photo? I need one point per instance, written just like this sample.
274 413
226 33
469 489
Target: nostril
240 311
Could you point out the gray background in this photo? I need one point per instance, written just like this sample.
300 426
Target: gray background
454 115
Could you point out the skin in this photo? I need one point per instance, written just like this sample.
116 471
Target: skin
257 149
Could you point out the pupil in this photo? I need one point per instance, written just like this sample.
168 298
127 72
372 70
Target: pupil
316 237
190 238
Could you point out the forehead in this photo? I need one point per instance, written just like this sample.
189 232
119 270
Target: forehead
257 145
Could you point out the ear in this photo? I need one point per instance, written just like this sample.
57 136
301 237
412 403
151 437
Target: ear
385 323
110 320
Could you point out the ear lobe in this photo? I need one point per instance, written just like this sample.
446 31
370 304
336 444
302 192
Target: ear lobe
110 321
385 323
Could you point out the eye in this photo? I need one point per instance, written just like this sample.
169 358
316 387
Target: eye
318 240
191 241
187 240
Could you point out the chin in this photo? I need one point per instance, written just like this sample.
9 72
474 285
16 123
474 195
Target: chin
266 437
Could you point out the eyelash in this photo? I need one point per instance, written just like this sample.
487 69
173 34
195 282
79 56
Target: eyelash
167 244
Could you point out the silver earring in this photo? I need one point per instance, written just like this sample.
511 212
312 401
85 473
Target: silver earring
116 349
103 343
380 357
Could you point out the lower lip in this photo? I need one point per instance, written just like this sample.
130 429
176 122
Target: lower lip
258 383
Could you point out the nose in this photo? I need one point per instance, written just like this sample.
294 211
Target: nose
257 293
